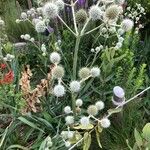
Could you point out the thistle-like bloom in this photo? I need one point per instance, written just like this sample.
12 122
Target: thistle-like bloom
127 24
112 12
59 90
50 10
67 110
75 86
69 120
100 105
84 72
58 72
92 110
23 15
105 122
95 13
85 121
79 102
81 16
95 72
55 57
40 27
60 4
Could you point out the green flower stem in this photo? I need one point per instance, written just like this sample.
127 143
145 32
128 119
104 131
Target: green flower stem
75 59
74 104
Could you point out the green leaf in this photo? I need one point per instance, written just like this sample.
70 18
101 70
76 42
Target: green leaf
128 145
87 141
113 111
17 146
29 123
146 132
3 137
138 138
98 137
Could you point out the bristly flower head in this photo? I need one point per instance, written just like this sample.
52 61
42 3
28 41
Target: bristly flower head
95 72
127 24
112 12
50 10
69 120
23 15
79 102
85 121
100 105
40 27
105 122
58 72
75 86
92 110
81 16
60 4
59 90
67 110
55 58
95 13
84 72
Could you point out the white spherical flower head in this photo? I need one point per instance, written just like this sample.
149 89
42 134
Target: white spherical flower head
2 23
23 15
85 121
119 92
67 110
58 72
70 134
59 90
79 102
84 72
127 24
40 27
100 105
75 86
92 110
27 37
67 144
95 72
50 10
55 57
69 120
95 13
105 122
60 4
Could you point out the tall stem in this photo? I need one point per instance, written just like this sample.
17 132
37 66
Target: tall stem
75 59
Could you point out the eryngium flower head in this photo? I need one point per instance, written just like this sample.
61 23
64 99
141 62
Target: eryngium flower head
60 4
112 12
84 72
127 24
95 13
105 122
67 110
81 16
92 110
58 72
95 71
85 121
59 90
75 86
40 26
55 57
100 105
23 15
50 10
69 120
79 102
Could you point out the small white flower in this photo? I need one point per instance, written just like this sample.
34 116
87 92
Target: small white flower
100 105
67 144
50 10
127 24
60 4
92 110
40 27
119 45
85 121
17 21
39 10
32 39
23 15
43 48
69 120
120 31
29 12
75 86
79 102
27 37
22 36
121 39
67 110
95 71
59 90
92 50
105 122
2 23
70 134
119 92
55 57
95 13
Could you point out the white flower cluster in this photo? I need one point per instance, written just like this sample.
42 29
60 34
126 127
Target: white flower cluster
27 37
8 57
43 49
